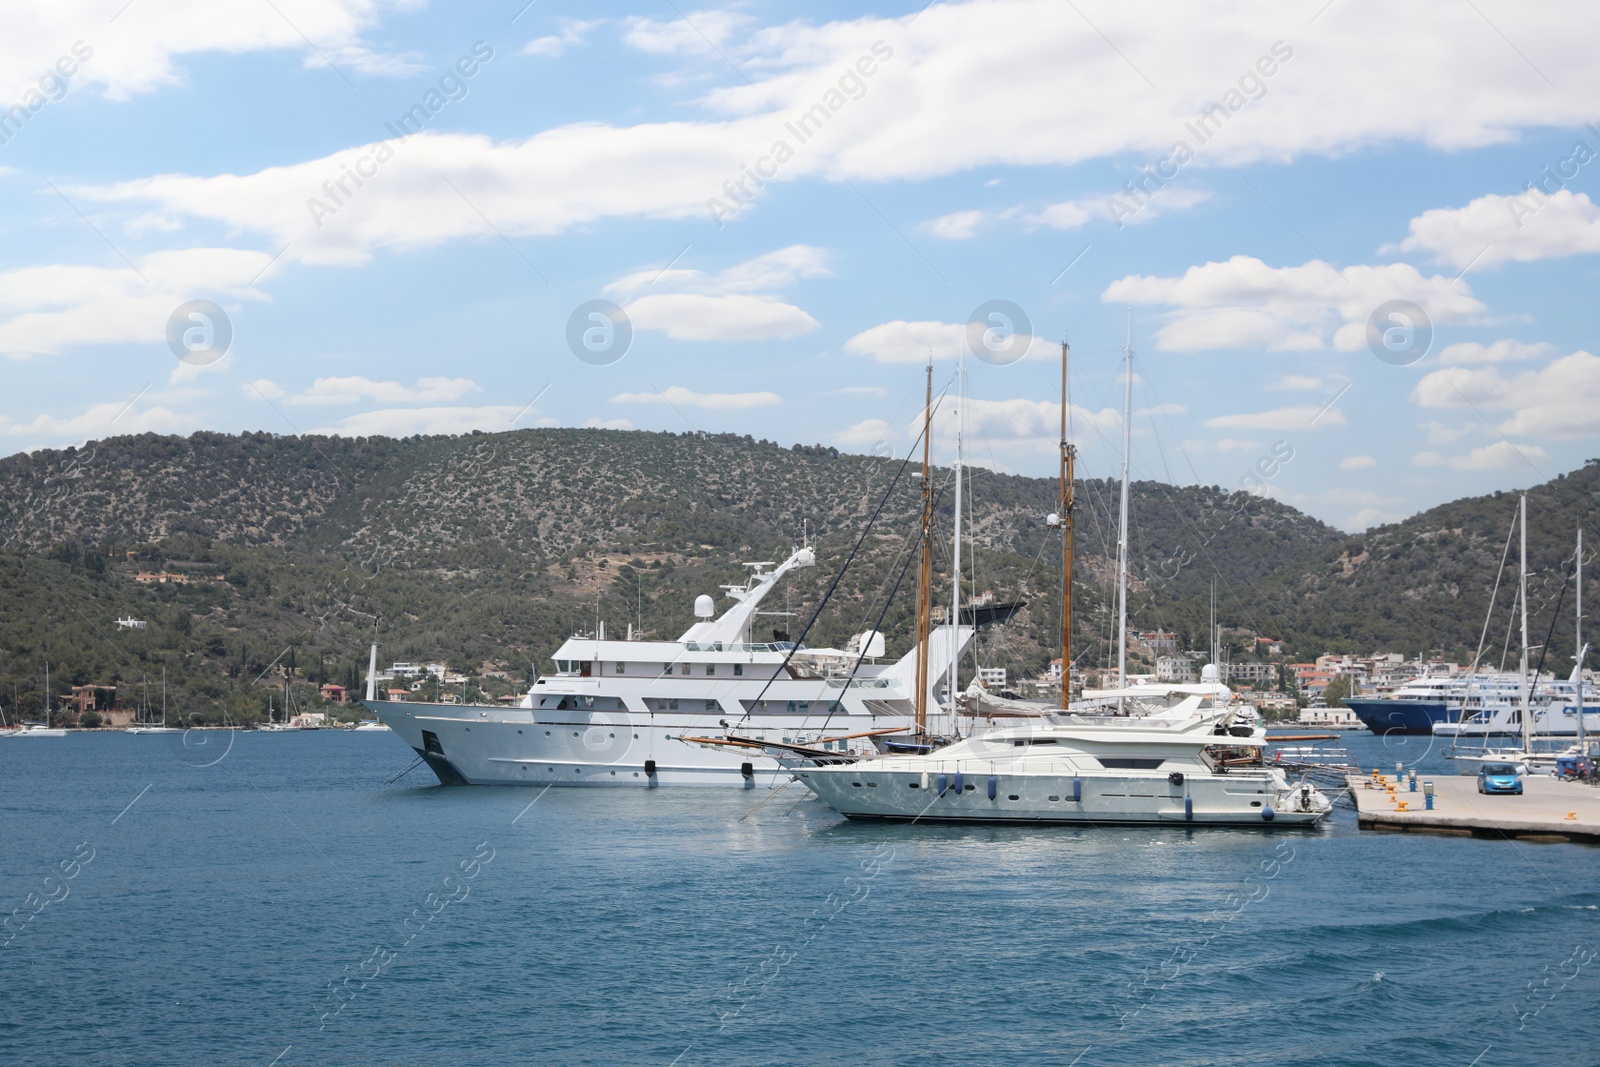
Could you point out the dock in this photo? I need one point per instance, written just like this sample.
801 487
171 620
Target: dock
1547 810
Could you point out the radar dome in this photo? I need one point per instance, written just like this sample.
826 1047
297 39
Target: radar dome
1210 673
704 606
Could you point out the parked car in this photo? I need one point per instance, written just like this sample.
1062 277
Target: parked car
1500 778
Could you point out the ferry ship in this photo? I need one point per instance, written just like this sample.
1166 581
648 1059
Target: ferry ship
629 713
1414 708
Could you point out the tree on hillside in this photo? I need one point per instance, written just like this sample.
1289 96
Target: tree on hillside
1337 690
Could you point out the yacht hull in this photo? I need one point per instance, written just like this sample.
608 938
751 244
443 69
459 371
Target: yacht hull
1385 717
479 745
860 793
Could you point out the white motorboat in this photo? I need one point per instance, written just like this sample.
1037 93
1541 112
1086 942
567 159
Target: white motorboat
1150 771
371 726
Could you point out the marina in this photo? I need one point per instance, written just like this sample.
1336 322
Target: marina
1548 810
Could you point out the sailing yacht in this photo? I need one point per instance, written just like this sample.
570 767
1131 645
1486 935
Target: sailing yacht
1165 754
651 713
37 729
152 727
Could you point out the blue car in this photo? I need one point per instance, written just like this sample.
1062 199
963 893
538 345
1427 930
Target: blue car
1500 778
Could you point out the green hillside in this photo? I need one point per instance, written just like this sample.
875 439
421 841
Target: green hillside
485 550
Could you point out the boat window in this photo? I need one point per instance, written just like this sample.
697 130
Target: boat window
738 669
711 668
622 668
711 705
1130 763
666 668
685 669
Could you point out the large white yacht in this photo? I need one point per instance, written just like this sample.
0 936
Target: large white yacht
1162 769
628 713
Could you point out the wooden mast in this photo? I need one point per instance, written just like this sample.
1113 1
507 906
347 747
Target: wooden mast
925 567
1069 453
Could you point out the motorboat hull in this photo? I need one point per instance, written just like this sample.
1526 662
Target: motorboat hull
1384 717
1240 800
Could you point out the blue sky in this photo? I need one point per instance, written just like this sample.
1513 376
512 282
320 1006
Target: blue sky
1354 155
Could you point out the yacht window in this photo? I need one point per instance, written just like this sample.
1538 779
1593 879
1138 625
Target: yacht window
711 705
738 669
685 669
711 668
1130 763
666 668
622 668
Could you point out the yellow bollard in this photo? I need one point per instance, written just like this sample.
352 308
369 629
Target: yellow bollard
1572 815
1402 806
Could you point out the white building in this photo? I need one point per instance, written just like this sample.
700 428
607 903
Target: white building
1176 669
992 677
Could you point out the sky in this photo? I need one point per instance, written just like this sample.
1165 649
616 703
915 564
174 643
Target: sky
1351 245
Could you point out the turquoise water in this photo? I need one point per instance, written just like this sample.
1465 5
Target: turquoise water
283 905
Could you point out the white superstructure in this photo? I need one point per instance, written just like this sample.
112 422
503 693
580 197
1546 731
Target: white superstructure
618 712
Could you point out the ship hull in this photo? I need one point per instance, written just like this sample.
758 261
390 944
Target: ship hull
1385 717
479 745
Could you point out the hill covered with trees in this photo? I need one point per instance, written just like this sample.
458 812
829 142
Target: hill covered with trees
486 550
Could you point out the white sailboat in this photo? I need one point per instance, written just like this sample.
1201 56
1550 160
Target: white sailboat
156 728
44 729
372 725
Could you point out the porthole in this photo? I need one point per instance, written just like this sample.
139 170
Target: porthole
574 733
636 737
611 735
613 774
1013 796
1053 798
519 731
872 785
856 784
636 774
913 785
547 733
1255 803
970 788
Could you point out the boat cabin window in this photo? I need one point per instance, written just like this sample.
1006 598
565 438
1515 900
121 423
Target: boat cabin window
622 668
584 668
711 668
666 668
738 670
1130 763
685 669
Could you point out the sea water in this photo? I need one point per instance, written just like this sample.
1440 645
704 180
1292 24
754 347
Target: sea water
267 899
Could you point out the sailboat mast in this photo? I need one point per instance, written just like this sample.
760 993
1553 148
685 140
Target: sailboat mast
1583 744
1122 534
1068 454
1522 592
955 566
925 564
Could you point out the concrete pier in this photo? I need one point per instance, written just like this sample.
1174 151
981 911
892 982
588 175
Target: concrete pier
1547 810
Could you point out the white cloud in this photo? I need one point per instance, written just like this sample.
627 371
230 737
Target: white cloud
1496 229
1298 383
1558 400
1162 409
1427 459
1018 420
1440 434
104 420
678 396
572 32
403 422
597 423
1500 456
956 226
1367 518
934 87
138 51
691 305
44 310
865 432
353 390
1233 444
1243 303
1357 463
1503 351
696 33
1068 214
1289 418
915 342
265 387
737 317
